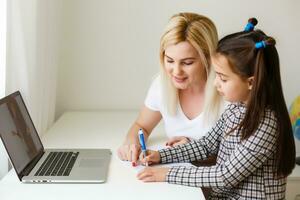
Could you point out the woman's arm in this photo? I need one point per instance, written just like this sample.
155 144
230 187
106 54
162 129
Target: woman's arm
147 120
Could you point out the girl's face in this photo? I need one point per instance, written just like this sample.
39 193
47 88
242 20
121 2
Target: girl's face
183 65
229 84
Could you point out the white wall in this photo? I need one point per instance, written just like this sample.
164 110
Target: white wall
110 48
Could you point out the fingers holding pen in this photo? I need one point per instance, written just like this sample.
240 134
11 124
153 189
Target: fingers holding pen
145 160
152 157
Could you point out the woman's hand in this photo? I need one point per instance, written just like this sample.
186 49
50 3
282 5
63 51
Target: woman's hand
177 140
153 174
152 157
129 152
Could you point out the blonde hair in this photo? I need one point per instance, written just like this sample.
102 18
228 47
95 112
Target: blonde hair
201 33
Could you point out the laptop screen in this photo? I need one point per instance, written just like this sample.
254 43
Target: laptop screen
17 131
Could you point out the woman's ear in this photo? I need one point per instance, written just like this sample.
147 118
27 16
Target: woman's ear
250 82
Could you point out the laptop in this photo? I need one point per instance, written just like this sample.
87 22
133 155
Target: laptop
33 163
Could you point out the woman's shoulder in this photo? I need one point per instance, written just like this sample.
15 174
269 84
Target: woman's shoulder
156 79
155 82
153 98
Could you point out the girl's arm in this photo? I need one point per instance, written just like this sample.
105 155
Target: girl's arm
197 149
247 158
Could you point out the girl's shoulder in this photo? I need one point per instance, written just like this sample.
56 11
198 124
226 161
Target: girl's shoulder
234 109
231 106
269 118
240 108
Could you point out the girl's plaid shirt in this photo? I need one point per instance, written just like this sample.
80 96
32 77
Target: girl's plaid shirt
244 169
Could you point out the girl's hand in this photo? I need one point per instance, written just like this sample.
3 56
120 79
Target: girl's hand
129 152
153 174
152 157
177 140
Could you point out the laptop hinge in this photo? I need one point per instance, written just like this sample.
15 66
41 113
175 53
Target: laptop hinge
31 165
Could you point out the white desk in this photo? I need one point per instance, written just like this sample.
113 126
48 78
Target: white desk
293 184
96 130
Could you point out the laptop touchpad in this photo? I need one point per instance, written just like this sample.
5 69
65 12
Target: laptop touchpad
91 162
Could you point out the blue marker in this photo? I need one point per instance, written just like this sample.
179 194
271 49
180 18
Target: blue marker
143 144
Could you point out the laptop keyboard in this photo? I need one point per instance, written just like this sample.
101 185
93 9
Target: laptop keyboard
57 164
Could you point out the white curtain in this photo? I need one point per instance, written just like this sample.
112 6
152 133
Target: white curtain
32 55
3 159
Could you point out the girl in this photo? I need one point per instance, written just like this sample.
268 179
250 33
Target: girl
183 95
253 138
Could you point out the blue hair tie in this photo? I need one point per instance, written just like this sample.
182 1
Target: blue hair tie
260 45
249 27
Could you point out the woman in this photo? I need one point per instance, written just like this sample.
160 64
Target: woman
183 94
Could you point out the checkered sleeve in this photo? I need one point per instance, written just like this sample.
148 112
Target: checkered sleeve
196 149
248 156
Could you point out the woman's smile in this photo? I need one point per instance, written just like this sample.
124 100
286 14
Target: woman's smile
180 79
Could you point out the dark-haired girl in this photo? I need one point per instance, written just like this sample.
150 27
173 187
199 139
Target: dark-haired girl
253 138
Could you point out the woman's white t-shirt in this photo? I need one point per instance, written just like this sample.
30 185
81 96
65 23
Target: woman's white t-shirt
179 124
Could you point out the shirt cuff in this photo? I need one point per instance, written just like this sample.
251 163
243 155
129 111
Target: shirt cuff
163 156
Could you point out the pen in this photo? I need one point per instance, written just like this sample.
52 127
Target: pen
143 144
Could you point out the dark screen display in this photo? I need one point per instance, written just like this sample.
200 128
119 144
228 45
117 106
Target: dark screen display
17 132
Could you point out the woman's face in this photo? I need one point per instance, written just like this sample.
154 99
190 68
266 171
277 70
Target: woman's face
183 65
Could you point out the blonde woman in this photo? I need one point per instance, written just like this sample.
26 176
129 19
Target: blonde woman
183 94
